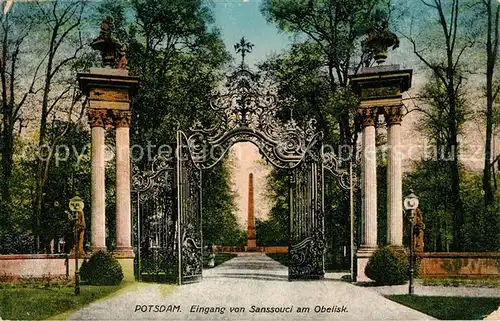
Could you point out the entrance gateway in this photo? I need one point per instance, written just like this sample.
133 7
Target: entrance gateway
167 198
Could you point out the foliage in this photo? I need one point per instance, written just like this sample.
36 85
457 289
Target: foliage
274 231
102 269
16 244
388 266
335 29
430 181
450 307
220 226
271 233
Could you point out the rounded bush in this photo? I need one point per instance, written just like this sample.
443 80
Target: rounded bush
101 269
389 266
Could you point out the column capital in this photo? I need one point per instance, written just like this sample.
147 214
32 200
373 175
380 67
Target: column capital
98 118
122 118
368 116
393 114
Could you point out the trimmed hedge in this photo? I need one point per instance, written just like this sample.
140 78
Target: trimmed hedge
101 269
389 266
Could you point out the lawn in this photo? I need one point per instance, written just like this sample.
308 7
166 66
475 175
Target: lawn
449 308
37 303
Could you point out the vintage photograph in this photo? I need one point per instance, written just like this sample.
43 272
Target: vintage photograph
249 160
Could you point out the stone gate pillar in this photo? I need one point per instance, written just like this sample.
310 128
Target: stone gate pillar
393 117
368 241
380 89
109 92
123 202
98 119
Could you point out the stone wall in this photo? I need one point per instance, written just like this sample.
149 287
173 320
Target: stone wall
463 264
36 266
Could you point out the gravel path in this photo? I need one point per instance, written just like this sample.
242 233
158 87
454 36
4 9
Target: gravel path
252 284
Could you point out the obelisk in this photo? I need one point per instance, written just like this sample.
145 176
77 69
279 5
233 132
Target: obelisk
251 242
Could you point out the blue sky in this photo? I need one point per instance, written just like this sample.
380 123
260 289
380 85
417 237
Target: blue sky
237 18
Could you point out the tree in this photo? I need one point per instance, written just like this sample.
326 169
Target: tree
16 27
62 23
442 53
492 90
336 27
177 54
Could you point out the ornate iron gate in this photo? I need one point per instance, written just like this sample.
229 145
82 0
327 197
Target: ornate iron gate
307 240
190 241
246 111
155 219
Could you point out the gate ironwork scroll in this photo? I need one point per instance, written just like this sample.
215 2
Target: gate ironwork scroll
155 219
245 111
189 213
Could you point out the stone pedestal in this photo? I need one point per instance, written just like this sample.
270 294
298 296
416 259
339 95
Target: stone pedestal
97 121
251 237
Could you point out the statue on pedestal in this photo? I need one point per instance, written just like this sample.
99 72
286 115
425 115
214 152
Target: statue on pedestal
418 231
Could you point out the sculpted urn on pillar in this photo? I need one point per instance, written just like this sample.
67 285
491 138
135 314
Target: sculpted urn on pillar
109 91
380 90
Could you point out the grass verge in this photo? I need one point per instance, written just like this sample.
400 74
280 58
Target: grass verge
449 308
38 303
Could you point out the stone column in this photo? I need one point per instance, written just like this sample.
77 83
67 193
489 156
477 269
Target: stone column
369 163
123 196
369 194
251 241
97 120
393 117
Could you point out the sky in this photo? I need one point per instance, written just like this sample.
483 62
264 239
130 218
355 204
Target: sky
238 18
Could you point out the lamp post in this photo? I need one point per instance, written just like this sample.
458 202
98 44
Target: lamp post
76 205
411 204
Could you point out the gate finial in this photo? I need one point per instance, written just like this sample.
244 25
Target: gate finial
243 47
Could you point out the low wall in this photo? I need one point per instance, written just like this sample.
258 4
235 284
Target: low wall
262 249
36 266
461 264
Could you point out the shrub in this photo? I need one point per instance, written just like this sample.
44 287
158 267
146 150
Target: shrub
388 266
101 269
16 244
84 270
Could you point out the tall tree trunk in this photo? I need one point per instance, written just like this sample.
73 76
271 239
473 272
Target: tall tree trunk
7 128
491 53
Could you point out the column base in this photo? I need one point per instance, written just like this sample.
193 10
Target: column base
125 256
97 249
127 265
363 255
